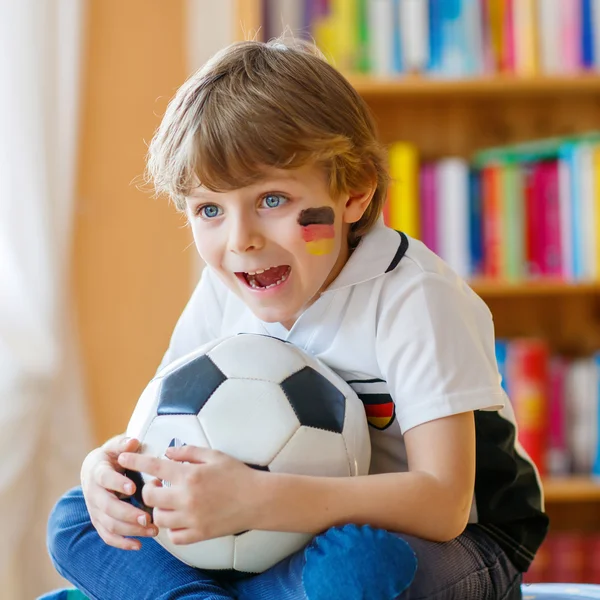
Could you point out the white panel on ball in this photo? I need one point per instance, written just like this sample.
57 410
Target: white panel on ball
257 357
250 420
256 551
144 411
313 452
161 433
217 553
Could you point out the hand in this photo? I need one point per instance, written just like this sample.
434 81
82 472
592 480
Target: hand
211 494
102 479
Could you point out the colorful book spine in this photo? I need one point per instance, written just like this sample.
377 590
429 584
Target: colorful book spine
552 261
381 21
534 231
558 460
414 34
428 217
492 221
476 223
527 368
404 188
453 210
513 222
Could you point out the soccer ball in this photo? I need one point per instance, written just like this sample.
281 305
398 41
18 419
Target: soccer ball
267 403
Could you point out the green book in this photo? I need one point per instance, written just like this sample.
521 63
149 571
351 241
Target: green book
536 150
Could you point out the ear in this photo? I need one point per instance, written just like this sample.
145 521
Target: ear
357 203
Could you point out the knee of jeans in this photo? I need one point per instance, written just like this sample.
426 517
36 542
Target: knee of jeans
65 524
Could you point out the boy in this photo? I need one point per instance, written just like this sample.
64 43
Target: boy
274 158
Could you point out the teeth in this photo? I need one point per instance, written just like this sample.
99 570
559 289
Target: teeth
255 286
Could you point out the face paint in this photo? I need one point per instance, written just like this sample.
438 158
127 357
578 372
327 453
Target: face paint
317 229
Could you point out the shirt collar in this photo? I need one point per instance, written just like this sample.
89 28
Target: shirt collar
378 252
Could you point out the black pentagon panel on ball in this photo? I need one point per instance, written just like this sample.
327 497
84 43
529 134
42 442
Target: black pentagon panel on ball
186 390
315 400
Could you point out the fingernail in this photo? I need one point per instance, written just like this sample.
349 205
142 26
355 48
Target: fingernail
128 487
153 531
143 520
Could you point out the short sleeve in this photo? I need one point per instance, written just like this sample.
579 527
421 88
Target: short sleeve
435 348
199 322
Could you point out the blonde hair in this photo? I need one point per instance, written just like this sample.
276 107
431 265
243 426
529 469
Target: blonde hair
277 104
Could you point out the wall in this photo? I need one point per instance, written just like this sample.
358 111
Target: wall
132 259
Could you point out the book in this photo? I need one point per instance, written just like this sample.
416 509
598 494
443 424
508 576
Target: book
381 39
527 370
452 184
404 188
414 34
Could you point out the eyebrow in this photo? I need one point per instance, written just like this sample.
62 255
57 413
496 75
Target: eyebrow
263 185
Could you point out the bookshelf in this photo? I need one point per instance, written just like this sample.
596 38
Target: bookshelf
414 85
445 117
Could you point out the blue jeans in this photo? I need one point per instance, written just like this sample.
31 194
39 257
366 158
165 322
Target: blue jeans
470 567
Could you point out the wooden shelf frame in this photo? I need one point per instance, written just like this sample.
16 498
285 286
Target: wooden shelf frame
371 87
571 489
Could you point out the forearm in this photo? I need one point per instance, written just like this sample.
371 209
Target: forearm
415 503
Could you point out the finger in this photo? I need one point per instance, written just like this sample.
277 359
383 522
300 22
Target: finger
122 528
184 536
193 454
157 467
120 443
117 541
170 519
156 495
122 511
109 479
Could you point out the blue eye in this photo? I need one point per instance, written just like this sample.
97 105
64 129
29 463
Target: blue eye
273 200
209 211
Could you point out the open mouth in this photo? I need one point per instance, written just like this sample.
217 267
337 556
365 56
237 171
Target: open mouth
265 279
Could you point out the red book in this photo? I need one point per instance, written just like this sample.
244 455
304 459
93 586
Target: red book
534 215
552 260
527 368
492 221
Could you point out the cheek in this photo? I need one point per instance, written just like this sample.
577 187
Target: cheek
207 247
319 239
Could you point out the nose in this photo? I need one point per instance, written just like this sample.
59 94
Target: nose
245 235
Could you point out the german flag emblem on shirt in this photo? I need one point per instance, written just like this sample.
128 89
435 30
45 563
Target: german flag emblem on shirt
379 408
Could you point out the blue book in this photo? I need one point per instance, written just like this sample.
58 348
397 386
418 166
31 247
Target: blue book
587 35
397 61
435 36
475 223
570 154
501 355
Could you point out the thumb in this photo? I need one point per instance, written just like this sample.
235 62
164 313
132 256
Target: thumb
192 454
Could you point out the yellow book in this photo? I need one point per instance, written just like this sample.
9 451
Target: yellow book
345 23
404 189
496 13
526 34
596 187
326 38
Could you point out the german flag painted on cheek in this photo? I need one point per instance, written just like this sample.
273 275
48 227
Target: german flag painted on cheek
317 229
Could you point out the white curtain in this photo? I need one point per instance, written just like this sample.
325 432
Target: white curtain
44 430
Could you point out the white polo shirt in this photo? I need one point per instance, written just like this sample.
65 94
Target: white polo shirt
416 344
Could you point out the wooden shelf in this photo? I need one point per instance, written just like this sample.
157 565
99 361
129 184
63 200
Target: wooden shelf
414 85
572 489
499 289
